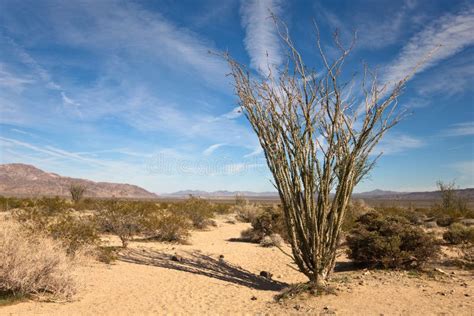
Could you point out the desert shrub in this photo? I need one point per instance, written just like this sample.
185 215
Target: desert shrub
220 208
246 212
452 205
8 203
167 226
458 233
106 254
416 217
86 204
198 211
272 240
123 218
269 222
355 210
32 264
445 220
389 242
74 233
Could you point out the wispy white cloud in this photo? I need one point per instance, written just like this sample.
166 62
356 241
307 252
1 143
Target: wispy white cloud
459 129
451 78
261 38
209 150
465 171
443 38
397 143
12 81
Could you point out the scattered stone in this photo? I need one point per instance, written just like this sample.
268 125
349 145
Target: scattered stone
266 274
279 276
467 221
327 311
361 282
431 224
466 295
440 271
253 298
297 307
176 258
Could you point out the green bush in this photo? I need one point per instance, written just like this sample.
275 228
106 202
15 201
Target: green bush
220 208
199 211
74 233
458 233
124 219
269 222
167 226
246 212
389 242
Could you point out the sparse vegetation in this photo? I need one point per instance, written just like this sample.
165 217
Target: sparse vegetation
33 264
458 233
199 211
452 206
389 242
77 192
266 227
246 212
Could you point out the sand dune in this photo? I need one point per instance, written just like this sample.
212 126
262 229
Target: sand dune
146 281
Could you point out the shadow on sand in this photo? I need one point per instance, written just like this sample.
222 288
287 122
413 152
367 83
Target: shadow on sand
201 264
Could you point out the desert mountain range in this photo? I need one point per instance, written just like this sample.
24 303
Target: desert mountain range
26 180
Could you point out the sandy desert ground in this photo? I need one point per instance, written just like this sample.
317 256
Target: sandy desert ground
146 281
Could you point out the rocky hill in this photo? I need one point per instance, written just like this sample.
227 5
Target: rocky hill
26 180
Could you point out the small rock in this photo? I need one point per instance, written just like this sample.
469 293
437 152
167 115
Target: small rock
453 273
266 274
361 282
176 258
440 271
253 298
297 307
467 222
466 295
279 276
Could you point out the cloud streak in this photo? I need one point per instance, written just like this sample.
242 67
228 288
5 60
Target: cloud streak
261 38
460 129
444 38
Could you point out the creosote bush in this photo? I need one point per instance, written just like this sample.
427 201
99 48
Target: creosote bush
124 219
127 219
74 232
33 264
199 211
389 242
167 226
458 234
59 223
270 222
246 212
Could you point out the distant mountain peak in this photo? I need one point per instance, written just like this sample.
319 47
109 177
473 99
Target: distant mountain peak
19 179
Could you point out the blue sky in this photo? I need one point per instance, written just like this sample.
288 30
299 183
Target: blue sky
126 91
